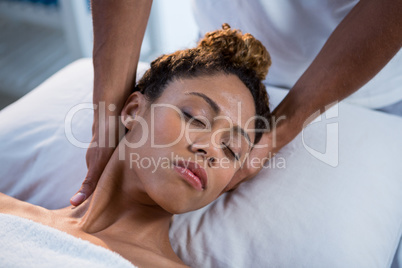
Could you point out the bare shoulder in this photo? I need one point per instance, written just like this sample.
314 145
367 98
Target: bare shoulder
10 204
13 206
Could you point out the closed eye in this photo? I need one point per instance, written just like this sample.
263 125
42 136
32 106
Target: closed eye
194 120
230 151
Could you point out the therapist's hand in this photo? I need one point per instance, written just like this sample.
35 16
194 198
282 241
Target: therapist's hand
270 143
98 155
119 28
96 159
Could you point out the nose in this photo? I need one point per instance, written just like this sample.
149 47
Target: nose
206 150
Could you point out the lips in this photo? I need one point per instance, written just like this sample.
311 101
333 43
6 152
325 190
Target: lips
193 173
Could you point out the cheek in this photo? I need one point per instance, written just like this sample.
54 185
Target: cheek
167 128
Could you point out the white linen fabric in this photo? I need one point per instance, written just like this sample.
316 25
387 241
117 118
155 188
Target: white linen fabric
331 198
28 244
294 32
39 164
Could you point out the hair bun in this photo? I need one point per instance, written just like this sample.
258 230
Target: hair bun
242 50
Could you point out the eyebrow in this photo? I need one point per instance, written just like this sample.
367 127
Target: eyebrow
215 107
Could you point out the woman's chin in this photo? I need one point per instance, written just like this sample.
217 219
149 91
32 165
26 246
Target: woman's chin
181 201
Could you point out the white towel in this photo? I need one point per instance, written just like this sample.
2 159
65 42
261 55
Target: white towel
24 243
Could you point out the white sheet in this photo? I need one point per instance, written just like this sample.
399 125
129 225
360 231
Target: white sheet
27 244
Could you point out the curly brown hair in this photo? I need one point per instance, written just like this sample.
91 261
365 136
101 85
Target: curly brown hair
221 51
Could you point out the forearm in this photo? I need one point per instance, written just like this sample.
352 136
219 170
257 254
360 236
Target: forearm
119 28
361 45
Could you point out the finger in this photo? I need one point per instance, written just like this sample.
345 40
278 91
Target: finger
86 190
77 199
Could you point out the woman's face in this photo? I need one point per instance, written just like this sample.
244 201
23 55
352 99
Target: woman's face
199 133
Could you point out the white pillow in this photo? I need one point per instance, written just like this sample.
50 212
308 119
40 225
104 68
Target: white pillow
327 210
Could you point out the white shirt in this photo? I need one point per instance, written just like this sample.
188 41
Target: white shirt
294 32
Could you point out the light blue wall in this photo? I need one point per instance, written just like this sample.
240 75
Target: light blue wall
171 27
40 39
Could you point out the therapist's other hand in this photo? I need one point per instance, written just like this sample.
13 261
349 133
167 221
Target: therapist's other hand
268 146
98 155
283 130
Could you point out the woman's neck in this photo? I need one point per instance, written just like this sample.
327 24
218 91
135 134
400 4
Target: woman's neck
120 209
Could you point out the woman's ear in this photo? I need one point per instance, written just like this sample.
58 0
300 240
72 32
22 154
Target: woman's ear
135 106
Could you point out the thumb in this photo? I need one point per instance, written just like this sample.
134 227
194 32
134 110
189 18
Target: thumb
87 187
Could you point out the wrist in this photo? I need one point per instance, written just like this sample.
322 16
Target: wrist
106 127
282 132
288 119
